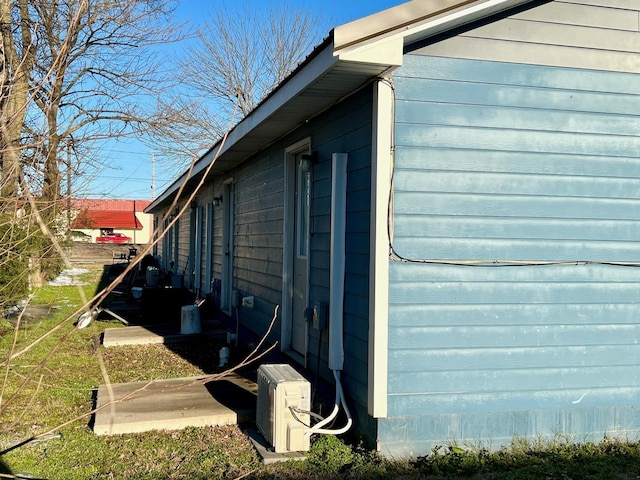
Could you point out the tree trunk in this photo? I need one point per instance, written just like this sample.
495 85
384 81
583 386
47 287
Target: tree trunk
18 63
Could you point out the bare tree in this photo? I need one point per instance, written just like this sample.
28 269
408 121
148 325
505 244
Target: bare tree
72 72
238 58
18 58
94 89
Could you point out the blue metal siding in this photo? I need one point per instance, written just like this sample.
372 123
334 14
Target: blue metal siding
418 435
498 162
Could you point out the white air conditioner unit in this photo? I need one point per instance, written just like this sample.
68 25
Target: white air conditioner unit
280 388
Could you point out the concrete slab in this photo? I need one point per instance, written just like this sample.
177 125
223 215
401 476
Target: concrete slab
174 404
151 334
266 452
138 335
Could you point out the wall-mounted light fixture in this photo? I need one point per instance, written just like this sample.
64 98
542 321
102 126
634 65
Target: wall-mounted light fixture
306 162
217 201
174 214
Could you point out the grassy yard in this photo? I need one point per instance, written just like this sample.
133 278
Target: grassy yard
49 390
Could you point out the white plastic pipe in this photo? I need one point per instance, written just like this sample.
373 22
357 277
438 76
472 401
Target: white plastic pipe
337 258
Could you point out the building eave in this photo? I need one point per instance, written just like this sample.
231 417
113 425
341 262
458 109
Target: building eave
353 55
415 20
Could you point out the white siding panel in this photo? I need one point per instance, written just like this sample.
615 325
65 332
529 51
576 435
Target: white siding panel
559 34
517 52
623 4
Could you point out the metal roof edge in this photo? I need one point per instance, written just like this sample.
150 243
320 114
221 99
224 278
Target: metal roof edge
318 62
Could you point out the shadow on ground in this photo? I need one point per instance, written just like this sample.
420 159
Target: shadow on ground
232 395
138 303
159 310
4 469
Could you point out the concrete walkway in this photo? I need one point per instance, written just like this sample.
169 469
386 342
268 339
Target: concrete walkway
179 403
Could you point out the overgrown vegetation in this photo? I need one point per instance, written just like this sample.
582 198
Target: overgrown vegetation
38 397
26 257
14 261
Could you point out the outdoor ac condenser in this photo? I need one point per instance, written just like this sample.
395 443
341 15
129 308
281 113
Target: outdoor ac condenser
281 388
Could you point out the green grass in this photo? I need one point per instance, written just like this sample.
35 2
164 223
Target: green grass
221 452
39 397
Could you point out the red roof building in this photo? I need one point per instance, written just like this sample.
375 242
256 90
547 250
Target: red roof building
109 205
97 216
107 219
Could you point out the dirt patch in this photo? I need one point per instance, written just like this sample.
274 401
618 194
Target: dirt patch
28 313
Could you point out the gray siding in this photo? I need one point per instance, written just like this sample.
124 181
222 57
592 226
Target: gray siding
184 242
258 237
174 247
526 164
592 34
215 230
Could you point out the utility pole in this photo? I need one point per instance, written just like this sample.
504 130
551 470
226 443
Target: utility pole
153 173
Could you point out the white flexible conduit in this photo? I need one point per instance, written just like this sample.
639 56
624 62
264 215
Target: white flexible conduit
317 428
336 288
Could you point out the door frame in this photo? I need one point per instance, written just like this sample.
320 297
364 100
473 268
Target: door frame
289 250
228 225
209 258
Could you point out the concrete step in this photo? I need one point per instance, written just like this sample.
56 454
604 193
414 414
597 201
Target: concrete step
152 334
174 404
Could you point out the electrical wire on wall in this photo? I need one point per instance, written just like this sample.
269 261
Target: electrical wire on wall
484 263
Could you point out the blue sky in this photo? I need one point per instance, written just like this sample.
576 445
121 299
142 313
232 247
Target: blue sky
130 163
335 11
128 174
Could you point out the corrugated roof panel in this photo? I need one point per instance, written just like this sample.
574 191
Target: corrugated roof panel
107 219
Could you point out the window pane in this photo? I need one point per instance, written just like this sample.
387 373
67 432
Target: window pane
304 200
